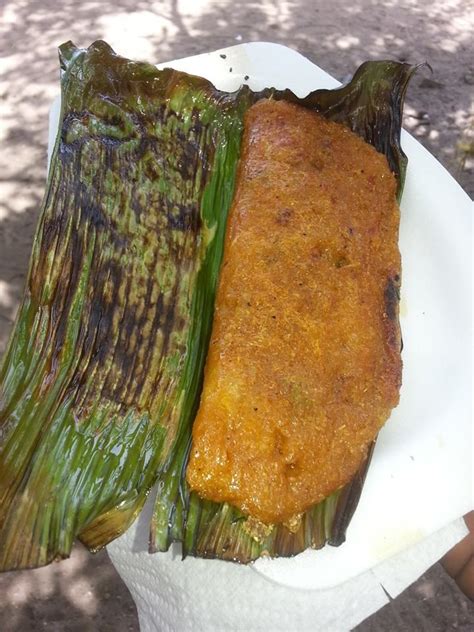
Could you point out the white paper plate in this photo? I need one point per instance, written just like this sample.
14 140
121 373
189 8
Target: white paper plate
420 478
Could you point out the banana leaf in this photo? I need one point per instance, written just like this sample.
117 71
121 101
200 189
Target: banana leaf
101 378
104 361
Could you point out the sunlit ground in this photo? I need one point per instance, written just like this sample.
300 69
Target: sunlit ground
337 35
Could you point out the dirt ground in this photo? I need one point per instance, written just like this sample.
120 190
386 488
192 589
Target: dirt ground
85 593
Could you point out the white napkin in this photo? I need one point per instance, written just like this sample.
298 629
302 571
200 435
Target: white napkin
209 595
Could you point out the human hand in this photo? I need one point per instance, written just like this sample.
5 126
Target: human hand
459 561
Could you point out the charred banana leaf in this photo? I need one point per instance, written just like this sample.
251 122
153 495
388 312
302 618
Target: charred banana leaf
104 361
101 380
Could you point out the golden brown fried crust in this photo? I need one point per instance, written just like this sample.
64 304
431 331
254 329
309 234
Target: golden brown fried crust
304 361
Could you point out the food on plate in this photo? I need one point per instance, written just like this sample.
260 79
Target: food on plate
101 380
371 106
304 364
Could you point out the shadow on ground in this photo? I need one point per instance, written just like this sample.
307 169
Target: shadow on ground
85 593
81 594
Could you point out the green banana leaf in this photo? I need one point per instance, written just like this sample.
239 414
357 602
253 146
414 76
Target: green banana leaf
101 378
104 361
